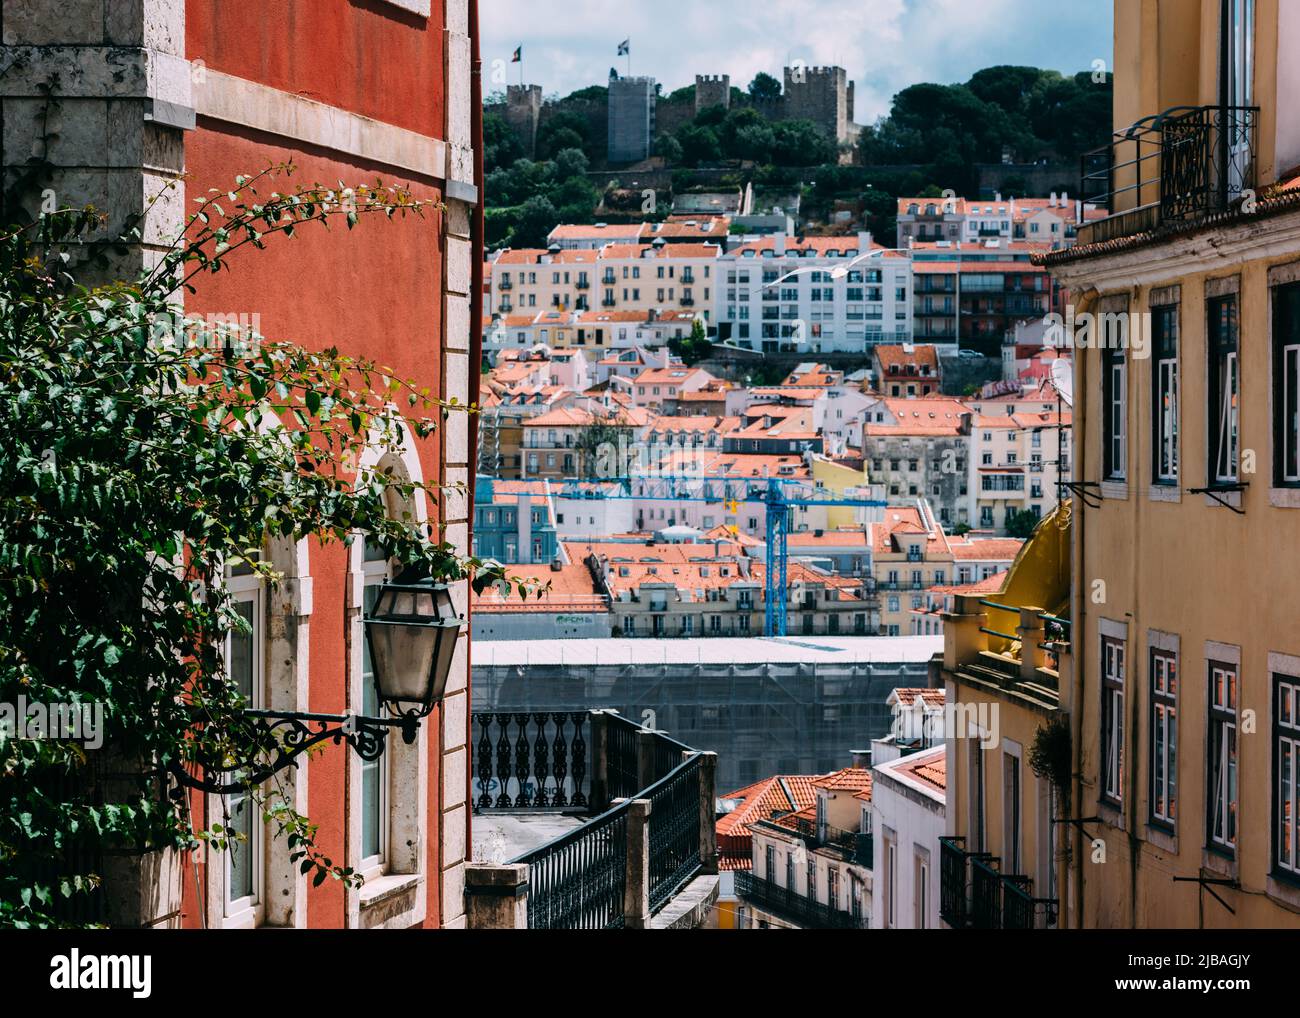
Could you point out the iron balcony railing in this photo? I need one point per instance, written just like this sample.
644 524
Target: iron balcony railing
581 762
975 894
527 760
985 894
1177 166
826 836
1021 910
798 909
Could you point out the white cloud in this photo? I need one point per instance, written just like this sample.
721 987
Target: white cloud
884 44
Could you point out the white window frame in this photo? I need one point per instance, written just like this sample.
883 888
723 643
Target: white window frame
1286 786
1224 790
1113 661
374 865
247 910
1290 436
1164 751
1165 467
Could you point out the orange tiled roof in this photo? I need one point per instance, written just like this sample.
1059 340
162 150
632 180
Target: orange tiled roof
908 363
909 695
847 779
923 415
987 549
765 799
929 768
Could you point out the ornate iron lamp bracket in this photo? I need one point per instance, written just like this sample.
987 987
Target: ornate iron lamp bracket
298 732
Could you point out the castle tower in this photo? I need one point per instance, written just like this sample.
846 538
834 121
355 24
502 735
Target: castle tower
631 118
822 95
523 113
712 90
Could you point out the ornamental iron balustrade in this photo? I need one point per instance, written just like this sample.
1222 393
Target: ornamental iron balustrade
531 760
579 761
1177 166
578 880
674 831
790 905
985 894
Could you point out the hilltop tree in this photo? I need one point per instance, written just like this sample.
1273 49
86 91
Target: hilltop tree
764 87
500 145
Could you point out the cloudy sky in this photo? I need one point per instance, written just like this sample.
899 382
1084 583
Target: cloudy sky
885 44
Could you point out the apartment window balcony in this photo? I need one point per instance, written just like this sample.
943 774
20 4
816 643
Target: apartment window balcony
1181 165
608 279
505 284
853 845
584 284
608 302
505 306
588 770
688 302
798 909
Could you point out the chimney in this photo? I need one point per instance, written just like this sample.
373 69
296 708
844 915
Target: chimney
1065 200
778 243
861 758
997 196
1051 202
864 241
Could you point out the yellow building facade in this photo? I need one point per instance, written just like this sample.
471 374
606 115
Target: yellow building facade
1185 680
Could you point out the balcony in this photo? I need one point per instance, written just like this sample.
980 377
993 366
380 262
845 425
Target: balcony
855 846
804 912
505 284
608 302
975 894
583 283
585 820
1179 166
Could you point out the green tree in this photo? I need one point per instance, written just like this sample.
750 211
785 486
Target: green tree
534 219
565 138
570 162
800 143
764 87
1022 524
136 463
669 149
500 146
699 144
566 129
693 348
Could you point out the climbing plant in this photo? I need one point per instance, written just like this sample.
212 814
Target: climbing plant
137 461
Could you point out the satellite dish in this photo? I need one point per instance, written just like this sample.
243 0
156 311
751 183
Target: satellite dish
1063 379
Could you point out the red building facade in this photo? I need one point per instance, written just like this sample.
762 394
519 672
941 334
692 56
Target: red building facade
345 90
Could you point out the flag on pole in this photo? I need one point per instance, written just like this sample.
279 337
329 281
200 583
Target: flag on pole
518 55
625 47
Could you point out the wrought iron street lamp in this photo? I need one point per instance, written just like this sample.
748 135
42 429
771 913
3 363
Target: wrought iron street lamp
411 632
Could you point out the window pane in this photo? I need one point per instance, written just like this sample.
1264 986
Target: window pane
371 770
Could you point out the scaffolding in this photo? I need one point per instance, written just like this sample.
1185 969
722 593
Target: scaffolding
790 705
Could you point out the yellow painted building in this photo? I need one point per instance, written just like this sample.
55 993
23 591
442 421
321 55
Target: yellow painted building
1185 690
1002 863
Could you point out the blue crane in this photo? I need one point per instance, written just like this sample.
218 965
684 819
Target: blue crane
770 492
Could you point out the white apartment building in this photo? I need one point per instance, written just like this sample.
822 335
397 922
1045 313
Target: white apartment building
814 295
1014 467
907 805
662 276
